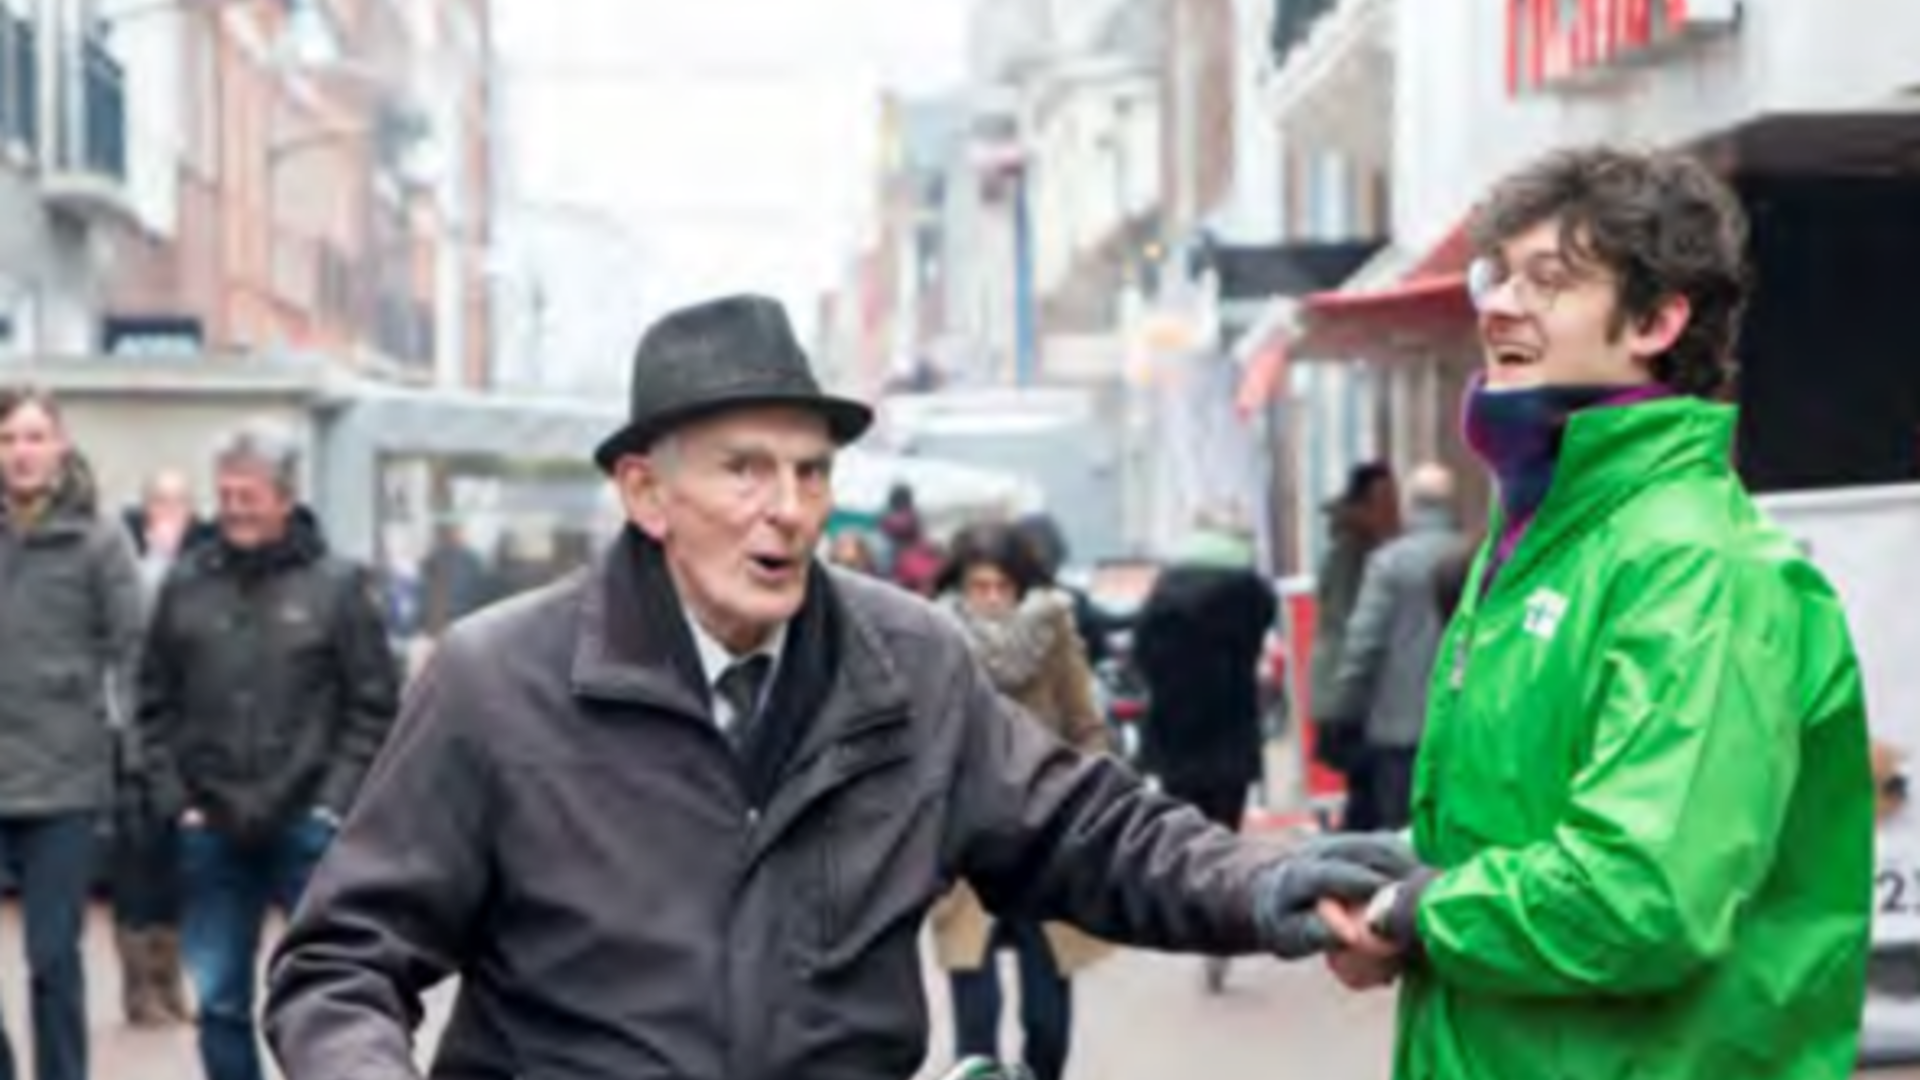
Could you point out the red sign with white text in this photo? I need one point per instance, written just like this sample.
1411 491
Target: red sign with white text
1555 41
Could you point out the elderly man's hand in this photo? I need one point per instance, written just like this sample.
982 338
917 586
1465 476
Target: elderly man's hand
1385 852
1286 895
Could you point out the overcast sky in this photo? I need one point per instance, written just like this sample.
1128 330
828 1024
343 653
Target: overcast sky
733 137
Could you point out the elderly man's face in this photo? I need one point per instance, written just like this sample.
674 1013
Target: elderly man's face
739 503
254 507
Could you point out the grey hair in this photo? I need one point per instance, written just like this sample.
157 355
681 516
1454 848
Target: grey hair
267 445
666 453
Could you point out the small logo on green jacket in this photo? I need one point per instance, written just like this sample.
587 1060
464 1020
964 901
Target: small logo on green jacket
1545 609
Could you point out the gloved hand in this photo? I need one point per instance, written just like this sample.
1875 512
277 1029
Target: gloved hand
1286 893
1384 852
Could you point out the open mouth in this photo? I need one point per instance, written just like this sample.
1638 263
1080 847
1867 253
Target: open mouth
1509 355
774 564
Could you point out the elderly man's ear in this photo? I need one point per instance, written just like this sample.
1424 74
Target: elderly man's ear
643 495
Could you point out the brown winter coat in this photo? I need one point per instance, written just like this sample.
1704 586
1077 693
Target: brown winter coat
1060 697
558 821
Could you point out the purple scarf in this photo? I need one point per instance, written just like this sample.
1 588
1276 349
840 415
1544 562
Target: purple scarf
1517 434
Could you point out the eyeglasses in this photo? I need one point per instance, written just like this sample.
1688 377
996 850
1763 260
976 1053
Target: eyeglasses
1537 283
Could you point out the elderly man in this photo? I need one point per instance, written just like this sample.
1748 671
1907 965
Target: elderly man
682 815
1380 689
266 690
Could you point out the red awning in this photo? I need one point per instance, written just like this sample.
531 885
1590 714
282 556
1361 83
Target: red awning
1430 304
1265 371
1381 323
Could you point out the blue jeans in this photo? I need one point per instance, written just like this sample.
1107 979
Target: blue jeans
227 887
1046 1002
50 860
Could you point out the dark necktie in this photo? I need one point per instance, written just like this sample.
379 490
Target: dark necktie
740 686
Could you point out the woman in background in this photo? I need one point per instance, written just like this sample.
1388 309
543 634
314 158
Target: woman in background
1023 632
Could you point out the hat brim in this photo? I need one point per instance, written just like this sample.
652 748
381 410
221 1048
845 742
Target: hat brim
846 419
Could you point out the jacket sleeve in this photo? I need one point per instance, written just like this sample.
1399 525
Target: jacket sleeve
1366 640
158 714
370 691
1041 830
118 600
397 901
1674 816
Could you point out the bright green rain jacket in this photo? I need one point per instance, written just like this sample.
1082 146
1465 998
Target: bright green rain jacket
1645 783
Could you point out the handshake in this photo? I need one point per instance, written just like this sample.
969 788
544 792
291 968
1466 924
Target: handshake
1348 896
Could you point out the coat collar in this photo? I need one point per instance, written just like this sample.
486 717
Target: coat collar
635 645
1611 454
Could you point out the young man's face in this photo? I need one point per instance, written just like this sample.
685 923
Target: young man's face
739 503
1551 317
32 450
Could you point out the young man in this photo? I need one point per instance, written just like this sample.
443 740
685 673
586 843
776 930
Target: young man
69 639
266 689
682 816
1643 798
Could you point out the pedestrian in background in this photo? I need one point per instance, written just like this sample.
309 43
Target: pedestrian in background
1049 542
1022 630
914 561
1198 643
1366 515
144 872
69 641
267 687
1390 642
851 550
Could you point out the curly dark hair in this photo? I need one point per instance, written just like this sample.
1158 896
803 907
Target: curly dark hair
995 544
1662 223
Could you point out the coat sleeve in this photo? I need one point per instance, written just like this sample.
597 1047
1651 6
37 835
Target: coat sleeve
1043 831
159 704
1674 815
369 680
397 901
1367 638
118 600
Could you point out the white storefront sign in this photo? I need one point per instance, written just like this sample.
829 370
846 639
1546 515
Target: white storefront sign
1867 542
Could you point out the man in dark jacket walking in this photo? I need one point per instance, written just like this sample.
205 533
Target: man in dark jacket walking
69 634
1198 643
1366 515
266 690
1380 691
691 807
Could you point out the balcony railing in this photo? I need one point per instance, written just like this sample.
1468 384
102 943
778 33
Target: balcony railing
19 80
1292 21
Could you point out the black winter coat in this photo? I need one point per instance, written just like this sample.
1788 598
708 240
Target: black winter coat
267 685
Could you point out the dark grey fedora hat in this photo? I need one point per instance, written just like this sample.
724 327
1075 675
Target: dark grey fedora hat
731 353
